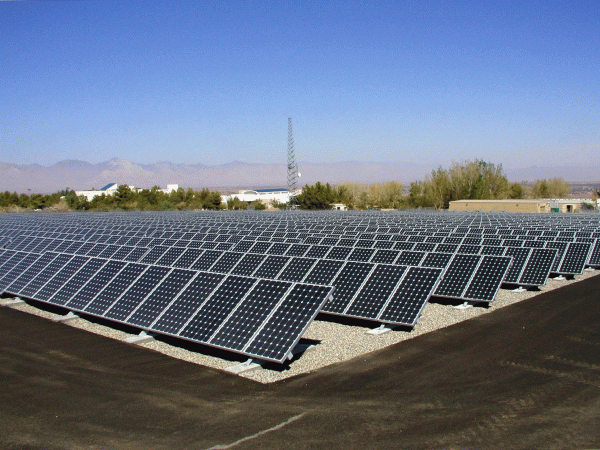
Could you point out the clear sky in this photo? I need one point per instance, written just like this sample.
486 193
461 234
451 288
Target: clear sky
211 82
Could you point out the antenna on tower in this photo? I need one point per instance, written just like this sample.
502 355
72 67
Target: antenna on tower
292 166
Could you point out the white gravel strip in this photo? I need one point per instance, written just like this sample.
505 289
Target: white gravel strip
336 342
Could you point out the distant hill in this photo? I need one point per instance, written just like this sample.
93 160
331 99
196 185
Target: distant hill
82 175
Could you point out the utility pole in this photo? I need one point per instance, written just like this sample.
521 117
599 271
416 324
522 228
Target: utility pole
292 166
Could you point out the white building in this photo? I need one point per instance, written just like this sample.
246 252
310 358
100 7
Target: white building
111 188
264 195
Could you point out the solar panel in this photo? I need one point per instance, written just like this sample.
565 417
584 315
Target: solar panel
136 293
153 254
346 284
206 260
373 296
170 256
594 259
520 256
575 258
187 258
61 277
386 256
361 254
226 262
317 251
217 308
119 284
407 303
178 313
340 253
538 267
67 290
92 286
20 281
324 271
160 297
457 276
271 266
248 264
282 330
241 325
45 275
297 269
410 258
487 279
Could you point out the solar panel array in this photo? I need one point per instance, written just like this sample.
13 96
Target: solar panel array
253 282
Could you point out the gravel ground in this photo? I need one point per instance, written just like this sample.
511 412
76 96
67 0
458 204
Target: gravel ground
336 340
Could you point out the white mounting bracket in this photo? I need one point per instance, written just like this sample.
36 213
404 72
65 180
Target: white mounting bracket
69 316
141 338
519 289
559 278
466 305
382 329
14 302
247 366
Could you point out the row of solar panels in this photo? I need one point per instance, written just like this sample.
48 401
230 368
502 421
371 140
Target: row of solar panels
189 231
571 258
247 315
267 261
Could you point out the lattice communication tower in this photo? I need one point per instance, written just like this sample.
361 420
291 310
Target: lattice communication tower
292 166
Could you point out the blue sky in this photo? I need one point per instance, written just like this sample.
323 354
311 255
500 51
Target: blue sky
208 82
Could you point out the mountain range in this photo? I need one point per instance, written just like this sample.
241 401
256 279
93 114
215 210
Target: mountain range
81 175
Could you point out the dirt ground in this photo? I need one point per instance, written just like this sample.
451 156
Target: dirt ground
524 376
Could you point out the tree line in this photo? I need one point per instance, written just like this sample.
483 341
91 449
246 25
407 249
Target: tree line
472 180
124 199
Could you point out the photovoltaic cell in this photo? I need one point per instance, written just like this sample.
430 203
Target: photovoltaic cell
386 256
340 253
248 264
153 254
297 269
435 259
170 256
271 266
361 254
317 251
136 254
323 272
206 260
226 262
520 256
410 258
188 257
30 273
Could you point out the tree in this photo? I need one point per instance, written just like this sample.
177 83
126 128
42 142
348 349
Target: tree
318 196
